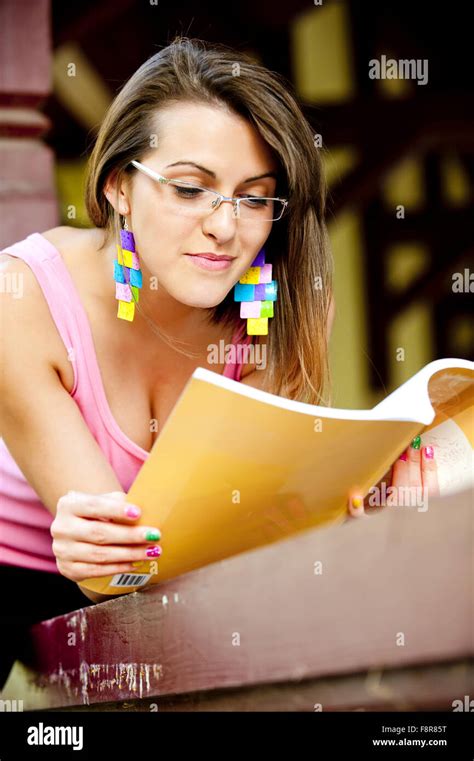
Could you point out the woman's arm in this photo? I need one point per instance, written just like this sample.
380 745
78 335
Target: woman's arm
41 424
47 436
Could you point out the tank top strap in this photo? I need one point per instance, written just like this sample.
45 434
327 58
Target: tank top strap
56 284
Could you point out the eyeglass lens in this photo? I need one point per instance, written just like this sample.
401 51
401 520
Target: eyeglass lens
193 201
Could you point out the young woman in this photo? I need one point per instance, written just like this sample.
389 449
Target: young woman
203 163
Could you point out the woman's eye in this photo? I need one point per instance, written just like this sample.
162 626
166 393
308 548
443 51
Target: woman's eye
187 192
255 201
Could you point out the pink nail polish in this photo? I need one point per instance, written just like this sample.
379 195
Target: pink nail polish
132 512
153 552
403 457
429 452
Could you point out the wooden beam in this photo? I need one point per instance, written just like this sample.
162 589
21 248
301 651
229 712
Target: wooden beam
428 225
268 617
430 285
415 688
359 121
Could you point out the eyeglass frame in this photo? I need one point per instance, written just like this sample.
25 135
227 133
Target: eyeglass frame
220 197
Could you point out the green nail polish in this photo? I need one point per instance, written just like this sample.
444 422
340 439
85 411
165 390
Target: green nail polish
416 442
152 535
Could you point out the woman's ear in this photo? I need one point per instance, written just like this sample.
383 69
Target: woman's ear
116 194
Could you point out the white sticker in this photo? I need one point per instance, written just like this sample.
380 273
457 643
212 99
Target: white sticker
130 579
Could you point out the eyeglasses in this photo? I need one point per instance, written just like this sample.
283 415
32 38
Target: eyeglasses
190 200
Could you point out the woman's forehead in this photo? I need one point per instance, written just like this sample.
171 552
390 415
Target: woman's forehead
212 138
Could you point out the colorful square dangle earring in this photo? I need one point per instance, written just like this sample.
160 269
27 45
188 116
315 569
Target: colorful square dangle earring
127 275
256 292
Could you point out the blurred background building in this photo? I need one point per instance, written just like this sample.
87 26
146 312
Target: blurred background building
399 151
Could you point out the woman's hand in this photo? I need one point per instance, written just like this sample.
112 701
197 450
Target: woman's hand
409 482
96 535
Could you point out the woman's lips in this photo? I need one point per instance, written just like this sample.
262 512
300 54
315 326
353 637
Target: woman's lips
209 264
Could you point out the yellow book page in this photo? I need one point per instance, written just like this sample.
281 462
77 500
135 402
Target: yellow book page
452 435
260 474
263 472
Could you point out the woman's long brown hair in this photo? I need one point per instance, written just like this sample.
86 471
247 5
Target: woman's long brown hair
297 365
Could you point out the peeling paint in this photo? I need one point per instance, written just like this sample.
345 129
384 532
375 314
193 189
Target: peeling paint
64 678
78 620
101 678
84 681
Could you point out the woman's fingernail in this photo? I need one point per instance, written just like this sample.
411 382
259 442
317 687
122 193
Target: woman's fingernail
403 457
152 535
153 552
416 442
132 512
428 452
356 502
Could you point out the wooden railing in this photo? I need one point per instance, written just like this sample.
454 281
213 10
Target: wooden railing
375 614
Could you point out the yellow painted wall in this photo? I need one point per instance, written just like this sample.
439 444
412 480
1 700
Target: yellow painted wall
70 188
322 68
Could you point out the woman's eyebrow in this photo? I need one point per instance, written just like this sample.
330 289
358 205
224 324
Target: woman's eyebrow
213 174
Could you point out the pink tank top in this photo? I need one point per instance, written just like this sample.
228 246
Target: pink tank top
25 539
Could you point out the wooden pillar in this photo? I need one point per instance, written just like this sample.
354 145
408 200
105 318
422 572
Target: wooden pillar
27 187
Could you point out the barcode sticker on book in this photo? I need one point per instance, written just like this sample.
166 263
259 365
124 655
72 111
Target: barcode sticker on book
130 579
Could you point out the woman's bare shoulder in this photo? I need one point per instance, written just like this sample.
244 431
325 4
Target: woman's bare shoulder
60 234
63 238
80 249
68 239
24 311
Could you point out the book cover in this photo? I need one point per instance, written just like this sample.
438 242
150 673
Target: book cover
235 468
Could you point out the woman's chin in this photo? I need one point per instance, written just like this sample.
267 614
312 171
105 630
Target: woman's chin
200 303
201 298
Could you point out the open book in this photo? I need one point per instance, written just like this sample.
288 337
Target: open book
235 467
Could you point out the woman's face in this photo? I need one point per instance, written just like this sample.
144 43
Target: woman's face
231 151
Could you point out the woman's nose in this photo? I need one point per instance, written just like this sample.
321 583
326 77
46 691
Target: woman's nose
222 221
